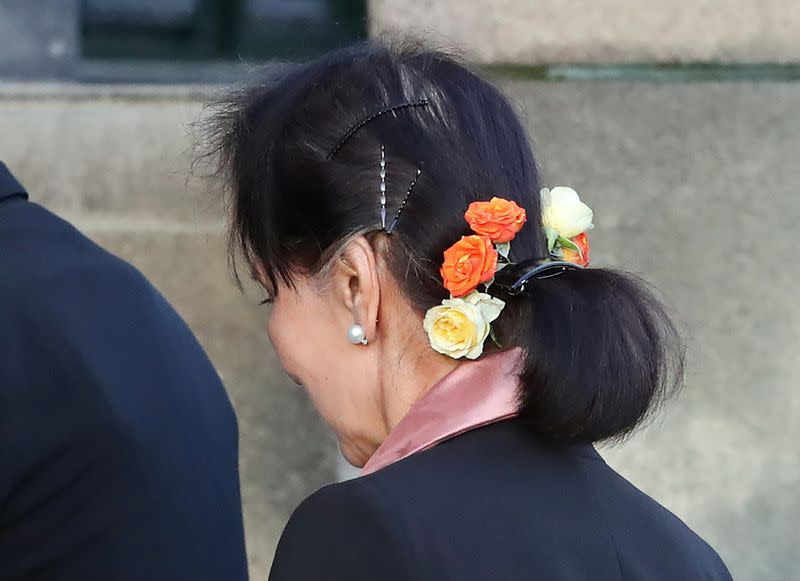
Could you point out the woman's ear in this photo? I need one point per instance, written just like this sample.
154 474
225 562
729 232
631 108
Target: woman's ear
358 283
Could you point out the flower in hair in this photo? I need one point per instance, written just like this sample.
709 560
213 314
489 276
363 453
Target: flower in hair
459 326
498 219
579 256
566 221
468 263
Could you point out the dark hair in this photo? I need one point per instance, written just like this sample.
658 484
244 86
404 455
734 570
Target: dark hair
300 153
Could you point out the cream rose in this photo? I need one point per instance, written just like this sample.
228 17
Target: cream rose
563 211
459 326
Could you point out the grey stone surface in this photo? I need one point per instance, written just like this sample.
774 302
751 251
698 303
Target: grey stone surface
694 186
107 154
600 31
38 39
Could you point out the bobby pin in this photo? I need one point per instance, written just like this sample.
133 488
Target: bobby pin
383 187
353 130
403 204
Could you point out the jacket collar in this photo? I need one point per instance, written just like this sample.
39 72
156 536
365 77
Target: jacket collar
475 394
9 186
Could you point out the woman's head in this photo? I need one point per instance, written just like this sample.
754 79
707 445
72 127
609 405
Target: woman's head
308 154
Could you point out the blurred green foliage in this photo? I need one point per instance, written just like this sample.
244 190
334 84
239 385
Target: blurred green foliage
231 30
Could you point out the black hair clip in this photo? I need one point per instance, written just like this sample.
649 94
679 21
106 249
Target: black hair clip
353 130
542 271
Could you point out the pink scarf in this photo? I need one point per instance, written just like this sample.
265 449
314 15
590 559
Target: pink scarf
475 394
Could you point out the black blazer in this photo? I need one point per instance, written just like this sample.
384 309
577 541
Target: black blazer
118 444
492 504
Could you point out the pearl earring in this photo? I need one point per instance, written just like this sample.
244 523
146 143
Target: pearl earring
356 334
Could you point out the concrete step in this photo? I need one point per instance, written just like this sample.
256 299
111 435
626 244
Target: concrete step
102 153
609 31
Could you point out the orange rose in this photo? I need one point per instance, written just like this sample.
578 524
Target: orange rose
582 242
468 263
498 219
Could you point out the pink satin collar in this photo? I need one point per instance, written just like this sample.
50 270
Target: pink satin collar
475 394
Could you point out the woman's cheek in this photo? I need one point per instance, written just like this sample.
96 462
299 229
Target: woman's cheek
276 332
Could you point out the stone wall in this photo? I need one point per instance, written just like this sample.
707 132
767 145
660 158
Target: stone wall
694 186
600 31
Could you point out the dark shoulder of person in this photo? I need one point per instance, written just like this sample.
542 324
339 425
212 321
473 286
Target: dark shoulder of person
119 457
343 532
494 503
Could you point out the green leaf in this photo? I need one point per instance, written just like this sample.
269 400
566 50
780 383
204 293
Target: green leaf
504 249
487 284
567 243
494 338
552 238
501 266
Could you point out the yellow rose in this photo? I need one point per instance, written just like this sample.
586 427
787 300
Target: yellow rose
459 326
563 211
